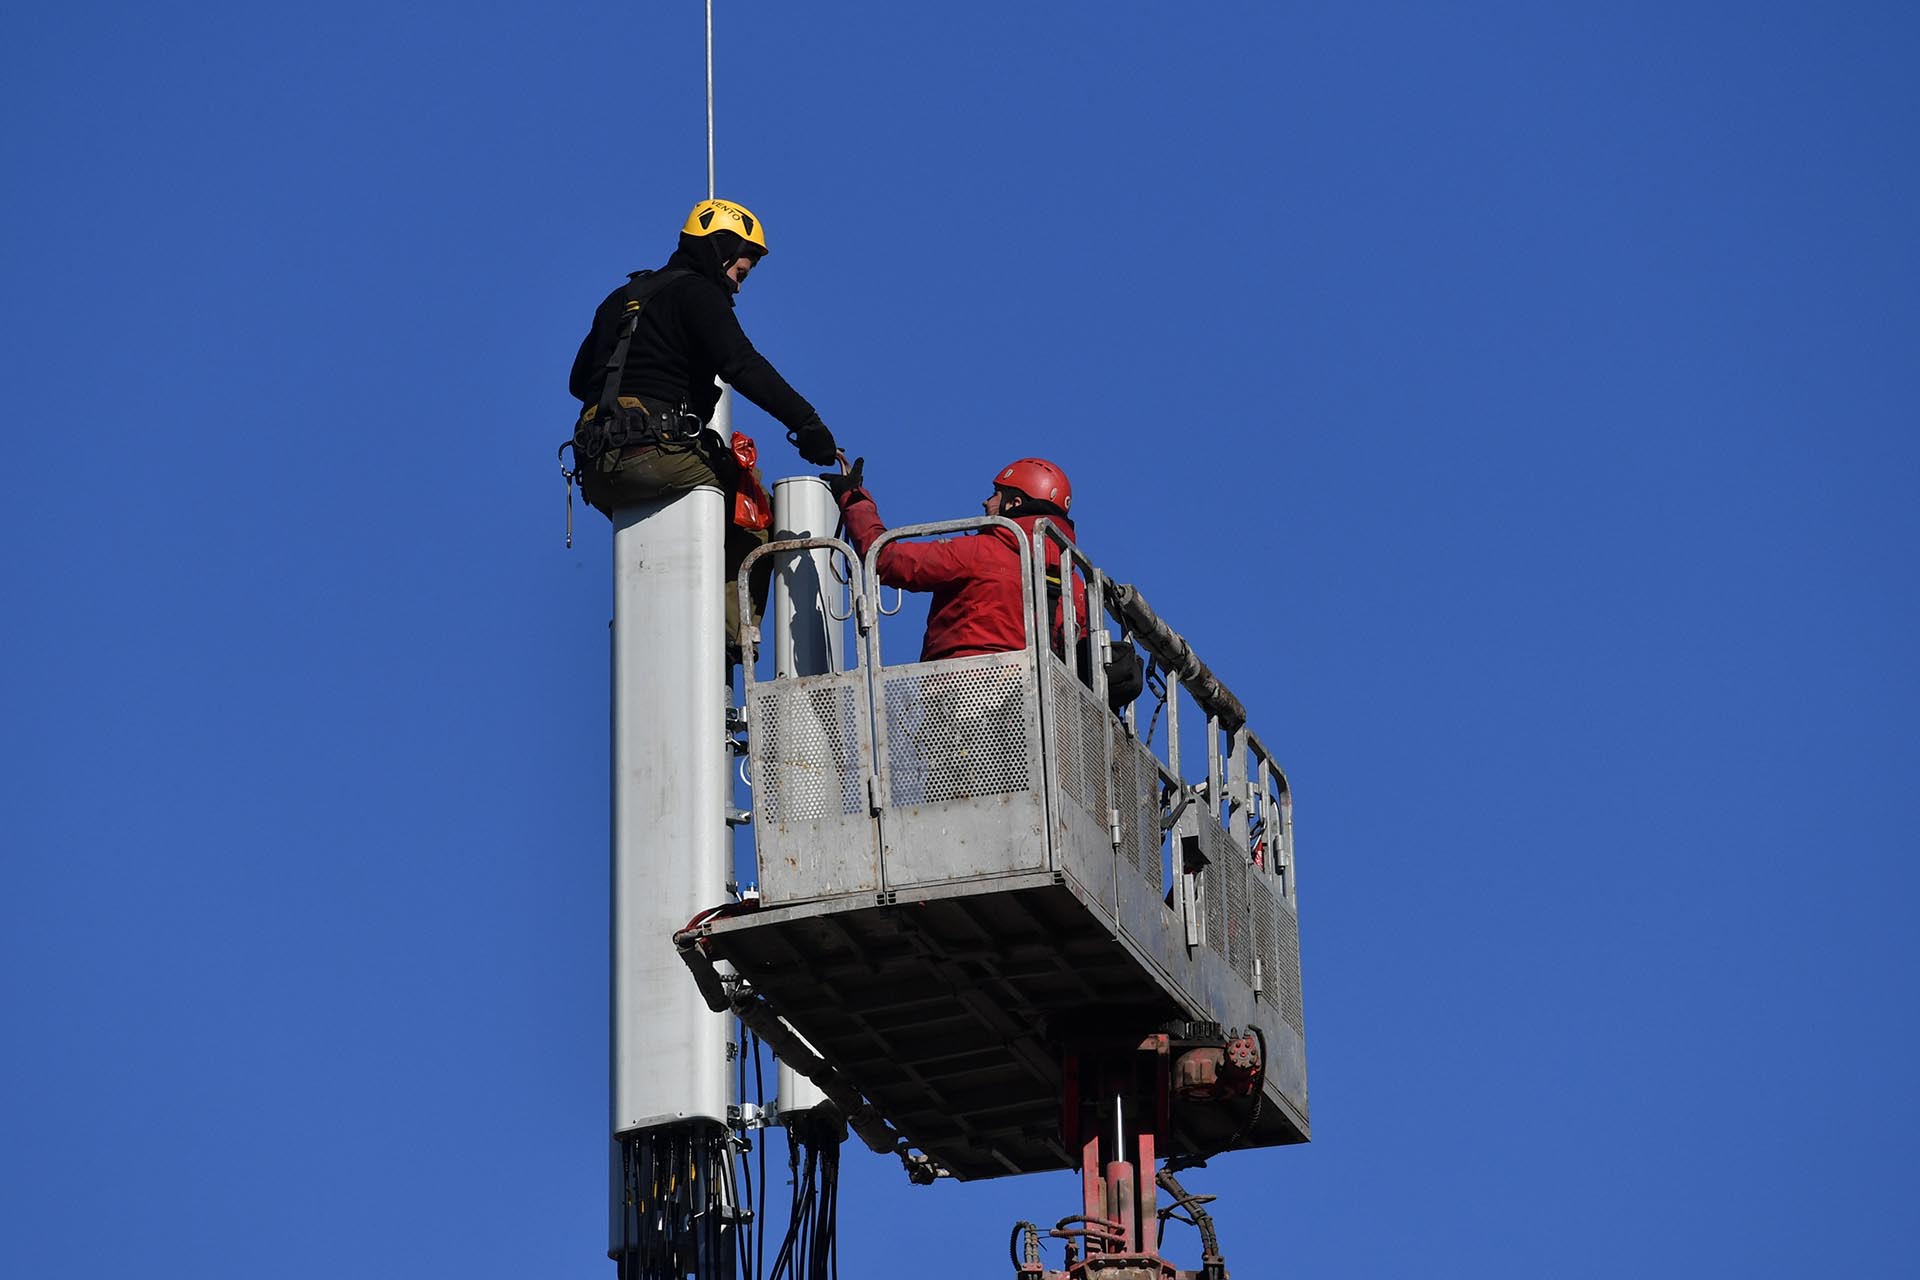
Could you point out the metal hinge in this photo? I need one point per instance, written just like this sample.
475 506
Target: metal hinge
873 794
862 614
1259 975
1113 826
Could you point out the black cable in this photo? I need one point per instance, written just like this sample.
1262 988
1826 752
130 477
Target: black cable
830 1160
810 1225
1156 685
793 1207
743 1209
724 1195
760 1221
792 1253
1209 1240
1259 1088
743 1238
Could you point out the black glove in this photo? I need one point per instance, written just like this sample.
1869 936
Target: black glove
815 443
842 485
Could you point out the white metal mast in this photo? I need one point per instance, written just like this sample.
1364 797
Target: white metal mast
671 858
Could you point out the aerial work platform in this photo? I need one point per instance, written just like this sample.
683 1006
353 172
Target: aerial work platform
970 869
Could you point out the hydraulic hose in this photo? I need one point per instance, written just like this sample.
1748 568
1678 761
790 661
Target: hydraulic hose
1177 656
872 1128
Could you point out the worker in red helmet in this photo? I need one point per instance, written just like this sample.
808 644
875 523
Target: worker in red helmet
975 580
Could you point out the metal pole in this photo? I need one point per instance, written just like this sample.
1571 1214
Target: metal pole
807 641
670 849
709 99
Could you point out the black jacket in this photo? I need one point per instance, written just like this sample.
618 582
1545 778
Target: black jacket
687 336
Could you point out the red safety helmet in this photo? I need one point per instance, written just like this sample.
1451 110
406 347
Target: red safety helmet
1038 479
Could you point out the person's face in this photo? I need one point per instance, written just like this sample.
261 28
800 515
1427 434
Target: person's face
996 504
737 272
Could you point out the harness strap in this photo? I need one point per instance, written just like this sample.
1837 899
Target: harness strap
641 288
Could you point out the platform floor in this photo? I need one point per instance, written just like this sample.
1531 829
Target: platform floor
949 1012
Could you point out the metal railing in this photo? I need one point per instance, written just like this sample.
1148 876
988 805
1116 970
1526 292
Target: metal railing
884 777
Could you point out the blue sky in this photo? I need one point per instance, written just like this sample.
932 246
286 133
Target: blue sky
1515 403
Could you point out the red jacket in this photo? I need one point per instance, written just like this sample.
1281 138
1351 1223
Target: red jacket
975 581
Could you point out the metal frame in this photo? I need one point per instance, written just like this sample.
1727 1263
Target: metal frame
932 837
811 781
1068 743
1222 946
1243 782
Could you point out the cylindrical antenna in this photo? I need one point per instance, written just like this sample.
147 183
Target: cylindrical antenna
710 99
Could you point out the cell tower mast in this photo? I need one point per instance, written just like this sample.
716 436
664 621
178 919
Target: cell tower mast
996 927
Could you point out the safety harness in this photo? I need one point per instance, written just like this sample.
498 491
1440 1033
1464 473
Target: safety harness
610 426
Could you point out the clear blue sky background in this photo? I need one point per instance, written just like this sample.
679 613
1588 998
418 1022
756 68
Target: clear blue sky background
1515 402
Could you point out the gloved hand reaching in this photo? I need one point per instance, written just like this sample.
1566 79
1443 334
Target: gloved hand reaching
815 443
842 485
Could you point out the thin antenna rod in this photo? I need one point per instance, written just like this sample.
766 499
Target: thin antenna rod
710 99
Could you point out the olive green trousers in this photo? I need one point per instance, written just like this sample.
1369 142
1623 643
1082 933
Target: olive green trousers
643 473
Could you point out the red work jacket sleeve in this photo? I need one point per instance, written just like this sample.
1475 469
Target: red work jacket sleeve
917 566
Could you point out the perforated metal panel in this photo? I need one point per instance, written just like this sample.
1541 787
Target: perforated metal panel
956 733
1263 938
1283 960
1126 788
1240 940
807 753
1212 884
1081 726
1152 835
1136 794
1093 719
1067 746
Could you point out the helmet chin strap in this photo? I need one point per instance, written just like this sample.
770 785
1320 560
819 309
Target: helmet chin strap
726 266
746 249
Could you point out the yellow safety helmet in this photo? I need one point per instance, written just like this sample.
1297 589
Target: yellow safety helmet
710 216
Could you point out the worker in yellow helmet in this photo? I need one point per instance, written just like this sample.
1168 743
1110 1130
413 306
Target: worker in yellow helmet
645 378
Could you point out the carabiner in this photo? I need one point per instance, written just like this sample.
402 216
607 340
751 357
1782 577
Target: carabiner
569 475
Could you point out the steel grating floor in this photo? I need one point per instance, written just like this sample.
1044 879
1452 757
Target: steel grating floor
949 1012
